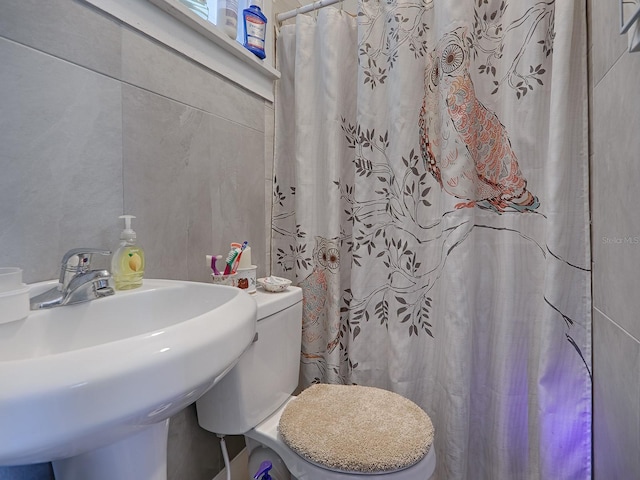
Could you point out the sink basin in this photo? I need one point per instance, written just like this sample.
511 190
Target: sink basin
80 378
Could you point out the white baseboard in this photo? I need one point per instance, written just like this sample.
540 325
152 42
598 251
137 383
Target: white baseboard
239 467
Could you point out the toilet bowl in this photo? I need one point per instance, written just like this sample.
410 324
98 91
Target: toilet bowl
251 398
266 433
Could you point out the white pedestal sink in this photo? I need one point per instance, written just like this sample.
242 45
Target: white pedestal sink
91 386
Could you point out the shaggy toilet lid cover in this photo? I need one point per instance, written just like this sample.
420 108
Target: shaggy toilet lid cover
356 429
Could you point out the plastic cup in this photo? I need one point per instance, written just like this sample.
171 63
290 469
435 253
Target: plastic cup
230 280
10 278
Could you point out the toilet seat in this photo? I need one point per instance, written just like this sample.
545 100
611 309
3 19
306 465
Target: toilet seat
267 434
356 428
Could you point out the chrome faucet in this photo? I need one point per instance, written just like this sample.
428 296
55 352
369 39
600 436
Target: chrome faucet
77 282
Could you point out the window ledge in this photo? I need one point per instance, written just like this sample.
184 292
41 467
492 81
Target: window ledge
177 27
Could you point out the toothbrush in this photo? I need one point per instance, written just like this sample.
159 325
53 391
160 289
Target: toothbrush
238 248
212 260
231 256
237 260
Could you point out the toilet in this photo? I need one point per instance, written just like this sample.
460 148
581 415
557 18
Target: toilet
251 398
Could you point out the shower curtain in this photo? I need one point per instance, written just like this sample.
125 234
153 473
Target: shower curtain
431 199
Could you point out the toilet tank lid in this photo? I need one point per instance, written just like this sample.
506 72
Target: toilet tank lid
271 303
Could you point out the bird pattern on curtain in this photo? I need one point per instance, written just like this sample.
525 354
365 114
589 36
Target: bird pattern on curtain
460 184
468 153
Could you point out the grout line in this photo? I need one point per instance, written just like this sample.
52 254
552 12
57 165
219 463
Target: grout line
616 324
133 85
604 75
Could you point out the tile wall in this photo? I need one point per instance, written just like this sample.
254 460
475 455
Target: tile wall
98 120
615 169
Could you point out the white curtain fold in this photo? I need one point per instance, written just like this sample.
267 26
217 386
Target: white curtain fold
431 199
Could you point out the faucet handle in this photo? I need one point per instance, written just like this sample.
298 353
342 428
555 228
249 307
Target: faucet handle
83 256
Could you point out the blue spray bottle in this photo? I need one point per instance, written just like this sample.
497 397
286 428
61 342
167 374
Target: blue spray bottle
263 471
255 28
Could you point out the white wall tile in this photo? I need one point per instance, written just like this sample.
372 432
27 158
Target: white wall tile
165 142
168 73
615 172
616 391
237 190
615 175
191 177
607 44
61 182
70 30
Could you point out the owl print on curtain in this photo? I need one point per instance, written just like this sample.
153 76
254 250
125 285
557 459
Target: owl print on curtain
395 237
463 144
321 331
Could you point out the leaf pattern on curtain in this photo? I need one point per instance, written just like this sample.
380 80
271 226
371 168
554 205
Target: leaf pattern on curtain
487 39
404 28
401 194
417 197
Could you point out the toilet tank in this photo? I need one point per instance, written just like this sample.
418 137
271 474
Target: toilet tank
267 372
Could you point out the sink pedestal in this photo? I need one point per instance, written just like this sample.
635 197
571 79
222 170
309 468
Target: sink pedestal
139 456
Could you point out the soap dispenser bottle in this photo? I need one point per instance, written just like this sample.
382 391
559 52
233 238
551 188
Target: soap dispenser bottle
127 263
